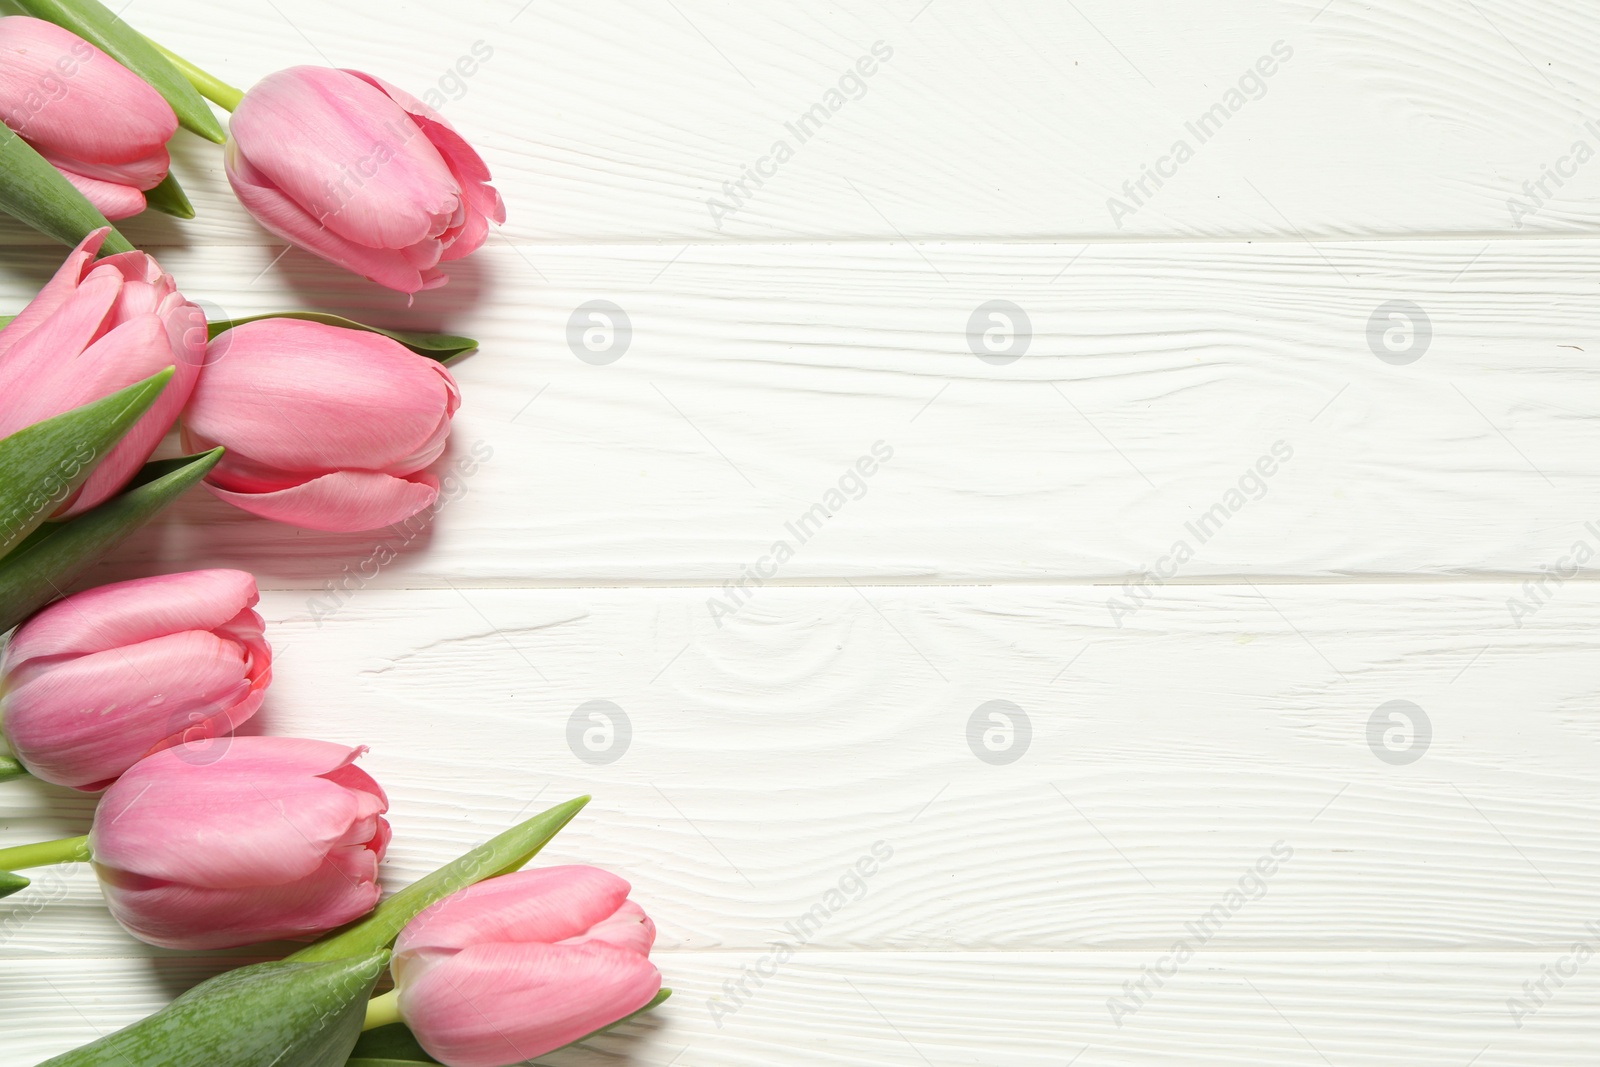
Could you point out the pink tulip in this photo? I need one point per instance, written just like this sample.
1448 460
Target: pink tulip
515 966
364 175
275 837
94 683
325 428
97 122
96 327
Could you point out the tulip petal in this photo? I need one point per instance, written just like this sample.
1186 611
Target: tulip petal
629 928
31 368
139 174
249 814
174 915
347 154
65 96
343 502
290 398
123 613
113 200
126 352
465 164
283 217
56 291
546 904
83 721
498 1004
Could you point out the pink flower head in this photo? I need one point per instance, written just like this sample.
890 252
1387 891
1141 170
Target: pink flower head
96 682
96 327
325 427
264 838
97 122
358 172
515 966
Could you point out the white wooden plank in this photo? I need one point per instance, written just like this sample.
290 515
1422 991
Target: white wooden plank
621 120
1030 1009
1155 380
760 760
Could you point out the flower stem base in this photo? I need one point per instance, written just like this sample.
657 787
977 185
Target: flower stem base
381 1011
45 853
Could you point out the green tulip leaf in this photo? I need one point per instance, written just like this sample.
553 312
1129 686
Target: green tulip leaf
169 199
34 192
40 568
40 465
395 1044
98 25
12 883
440 346
499 855
11 767
264 1015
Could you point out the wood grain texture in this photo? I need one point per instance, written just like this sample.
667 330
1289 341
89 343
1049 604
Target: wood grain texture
1156 379
1206 735
620 120
1030 1009
761 759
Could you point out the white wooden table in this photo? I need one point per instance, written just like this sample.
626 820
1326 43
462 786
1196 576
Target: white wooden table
1327 361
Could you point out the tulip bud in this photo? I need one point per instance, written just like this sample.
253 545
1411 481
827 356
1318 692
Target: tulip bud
324 427
271 837
93 329
96 682
515 966
358 172
94 120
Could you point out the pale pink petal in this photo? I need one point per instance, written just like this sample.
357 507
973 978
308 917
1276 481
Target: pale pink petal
547 904
130 353
66 96
283 217
173 915
344 502
629 928
250 816
114 200
295 396
83 721
347 154
123 613
145 172
56 292
499 1004
38 367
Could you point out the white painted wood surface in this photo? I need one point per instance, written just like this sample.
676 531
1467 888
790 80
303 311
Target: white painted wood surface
1179 732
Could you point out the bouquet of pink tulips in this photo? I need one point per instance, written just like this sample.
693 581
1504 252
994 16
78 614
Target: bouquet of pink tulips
201 839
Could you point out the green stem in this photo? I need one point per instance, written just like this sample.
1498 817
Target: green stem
381 1011
213 89
10 768
45 853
